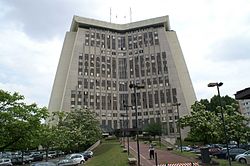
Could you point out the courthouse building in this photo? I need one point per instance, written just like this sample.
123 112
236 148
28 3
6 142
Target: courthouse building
99 60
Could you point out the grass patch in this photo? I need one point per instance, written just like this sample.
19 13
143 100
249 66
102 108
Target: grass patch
108 153
224 162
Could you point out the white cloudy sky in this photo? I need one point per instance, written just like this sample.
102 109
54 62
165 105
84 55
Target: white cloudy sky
214 36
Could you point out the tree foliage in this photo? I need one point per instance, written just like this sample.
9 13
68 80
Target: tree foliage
22 126
206 123
203 124
77 129
153 129
19 121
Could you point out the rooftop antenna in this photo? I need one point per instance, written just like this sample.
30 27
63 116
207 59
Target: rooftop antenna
110 15
130 15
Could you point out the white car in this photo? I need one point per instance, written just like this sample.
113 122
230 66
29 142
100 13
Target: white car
5 162
242 157
77 158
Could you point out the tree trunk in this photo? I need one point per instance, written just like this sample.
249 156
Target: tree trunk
22 157
47 152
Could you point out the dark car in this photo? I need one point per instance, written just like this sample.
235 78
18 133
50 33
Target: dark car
17 160
87 154
232 153
37 156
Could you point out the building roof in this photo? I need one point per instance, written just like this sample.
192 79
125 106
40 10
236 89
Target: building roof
87 23
243 94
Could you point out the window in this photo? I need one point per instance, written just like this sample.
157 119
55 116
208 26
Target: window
156 38
108 41
92 42
137 66
135 42
168 96
122 68
150 99
150 36
174 93
113 67
131 67
113 42
87 39
129 42
145 35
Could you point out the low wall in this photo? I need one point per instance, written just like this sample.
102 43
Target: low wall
94 146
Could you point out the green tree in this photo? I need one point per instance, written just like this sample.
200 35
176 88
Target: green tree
80 129
215 102
206 124
236 124
153 129
48 138
19 121
203 124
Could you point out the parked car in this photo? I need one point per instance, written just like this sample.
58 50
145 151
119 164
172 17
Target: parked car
36 156
44 164
5 162
185 148
232 153
90 153
245 146
87 154
66 162
5 154
60 153
214 148
52 154
76 157
242 157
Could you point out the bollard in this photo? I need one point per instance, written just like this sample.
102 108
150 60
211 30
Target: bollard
156 161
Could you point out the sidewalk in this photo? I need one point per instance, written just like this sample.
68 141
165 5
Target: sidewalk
163 156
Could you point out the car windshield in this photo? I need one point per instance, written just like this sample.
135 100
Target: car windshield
67 157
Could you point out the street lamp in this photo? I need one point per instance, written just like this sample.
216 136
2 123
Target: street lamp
222 115
179 127
127 106
136 117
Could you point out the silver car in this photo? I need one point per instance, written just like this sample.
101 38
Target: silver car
242 157
77 158
5 162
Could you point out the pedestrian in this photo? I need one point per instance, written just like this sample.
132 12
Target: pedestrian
151 151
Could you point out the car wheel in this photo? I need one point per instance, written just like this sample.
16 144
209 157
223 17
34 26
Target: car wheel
243 161
82 162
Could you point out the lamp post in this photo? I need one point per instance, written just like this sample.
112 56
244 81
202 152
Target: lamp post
127 106
178 112
213 84
136 118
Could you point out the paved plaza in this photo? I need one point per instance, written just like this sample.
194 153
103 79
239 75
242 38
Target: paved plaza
163 156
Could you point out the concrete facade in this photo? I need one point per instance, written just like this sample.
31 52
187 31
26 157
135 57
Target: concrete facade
99 60
245 108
